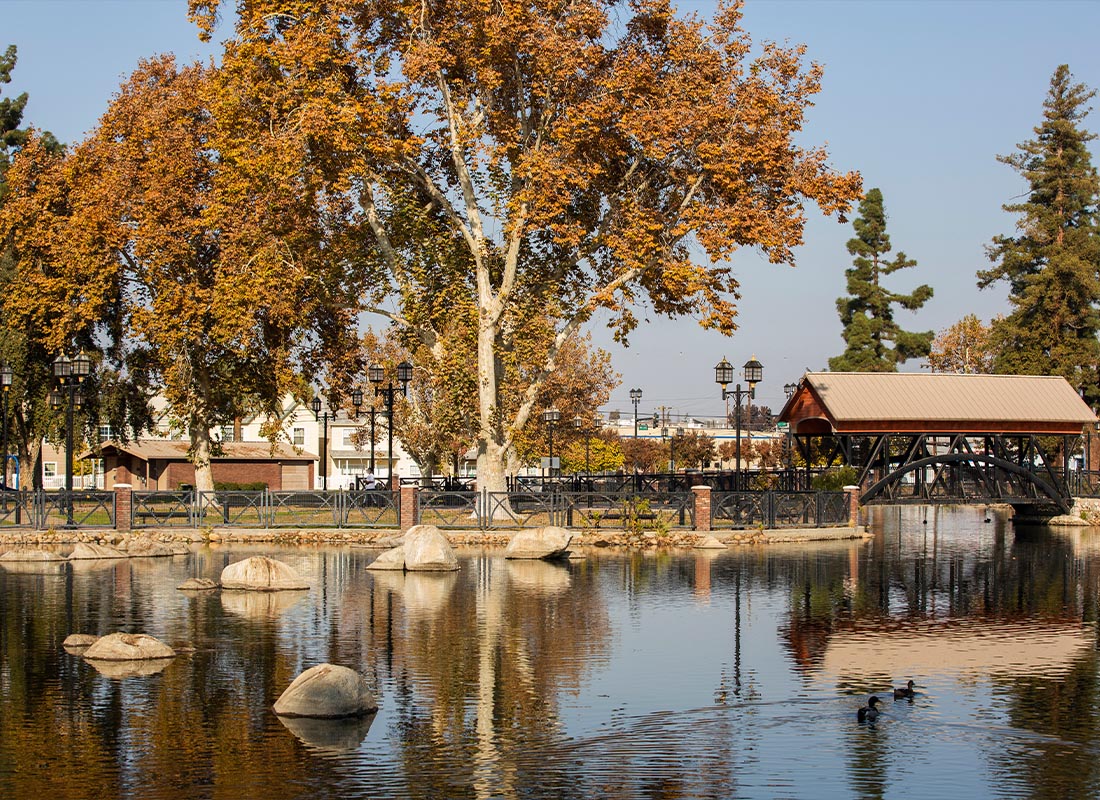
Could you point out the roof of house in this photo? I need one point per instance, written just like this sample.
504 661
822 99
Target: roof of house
982 401
176 450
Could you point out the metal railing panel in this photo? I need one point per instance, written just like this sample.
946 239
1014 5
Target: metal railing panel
449 509
304 509
652 510
740 509
372 508
18 509
240 509
519 509
162 509
76 509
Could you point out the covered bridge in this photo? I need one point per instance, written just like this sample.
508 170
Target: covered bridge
918 437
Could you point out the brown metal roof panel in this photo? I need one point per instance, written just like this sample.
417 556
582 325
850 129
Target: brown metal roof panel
869 396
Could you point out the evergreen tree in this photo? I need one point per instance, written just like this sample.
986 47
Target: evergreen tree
12 137
1051 265
867 313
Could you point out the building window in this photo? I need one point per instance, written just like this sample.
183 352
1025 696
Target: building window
106 433
227 434
298 436
49 469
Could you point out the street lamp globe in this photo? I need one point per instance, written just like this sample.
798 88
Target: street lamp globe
551 415
375 373
404 372
81 366
315 404
754 372
62 366
723 373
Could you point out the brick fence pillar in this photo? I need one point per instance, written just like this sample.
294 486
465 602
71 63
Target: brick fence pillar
851 493
124 506
408 495
701 498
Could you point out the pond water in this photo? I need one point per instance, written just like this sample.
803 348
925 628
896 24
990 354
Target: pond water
624 675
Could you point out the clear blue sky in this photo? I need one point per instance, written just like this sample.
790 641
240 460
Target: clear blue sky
918 96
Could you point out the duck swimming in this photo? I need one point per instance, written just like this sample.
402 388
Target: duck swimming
906 693
869 713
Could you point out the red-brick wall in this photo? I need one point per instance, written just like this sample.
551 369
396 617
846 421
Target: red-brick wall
269 472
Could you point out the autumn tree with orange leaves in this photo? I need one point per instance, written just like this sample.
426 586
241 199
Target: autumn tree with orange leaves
219 289
564 159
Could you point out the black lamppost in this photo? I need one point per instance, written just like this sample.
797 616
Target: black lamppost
323 418
70 375
635 398
723 376
789 389
376 374
5 386
551 416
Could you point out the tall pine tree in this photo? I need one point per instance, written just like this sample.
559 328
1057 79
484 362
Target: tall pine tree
867 313
1051 264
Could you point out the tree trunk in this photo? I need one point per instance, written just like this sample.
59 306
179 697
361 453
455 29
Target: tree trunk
201 456
492 453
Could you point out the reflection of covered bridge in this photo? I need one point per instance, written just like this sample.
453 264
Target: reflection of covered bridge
940 438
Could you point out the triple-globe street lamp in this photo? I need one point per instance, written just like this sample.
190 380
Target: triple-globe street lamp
323 418
70 375
377 375
723 376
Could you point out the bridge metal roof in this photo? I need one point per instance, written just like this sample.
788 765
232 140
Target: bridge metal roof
864 402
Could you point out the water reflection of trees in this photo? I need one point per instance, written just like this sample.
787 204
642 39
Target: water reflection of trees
959 568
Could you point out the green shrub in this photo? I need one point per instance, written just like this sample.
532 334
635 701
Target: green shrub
835 478
229 486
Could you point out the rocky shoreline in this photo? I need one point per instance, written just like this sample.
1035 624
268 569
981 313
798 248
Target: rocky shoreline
383 538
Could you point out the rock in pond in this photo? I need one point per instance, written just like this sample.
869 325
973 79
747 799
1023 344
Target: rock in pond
710 543
79 641
128 647
326 691
146 547
117 670
546 542
427 550
261 574
197 585
86 551
392 559
30 555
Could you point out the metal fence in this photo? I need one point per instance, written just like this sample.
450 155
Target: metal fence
778 509
593 510
519 509
41 510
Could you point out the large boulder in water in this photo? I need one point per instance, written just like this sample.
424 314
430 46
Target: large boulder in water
427 550
128 647
261 574
546 542
327 691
